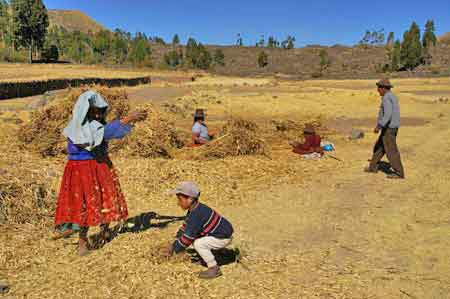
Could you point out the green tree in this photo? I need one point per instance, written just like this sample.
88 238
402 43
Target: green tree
102 42
373 38
159 40
204 59
119 47
197 56
50 54
325 60
263 59
395 56
192 52
176 40
140 52
390 40
429 36
4 20
411 50
272 42
30 22
261 43
78 47
219 57
288 43
173 58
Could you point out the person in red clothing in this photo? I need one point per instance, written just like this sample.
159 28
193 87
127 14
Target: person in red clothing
311 144
90 193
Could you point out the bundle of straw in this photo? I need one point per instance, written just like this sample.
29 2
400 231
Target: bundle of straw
238 137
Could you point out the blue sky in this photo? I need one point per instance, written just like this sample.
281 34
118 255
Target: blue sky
326 22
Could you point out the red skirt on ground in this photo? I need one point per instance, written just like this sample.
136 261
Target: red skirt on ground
90 195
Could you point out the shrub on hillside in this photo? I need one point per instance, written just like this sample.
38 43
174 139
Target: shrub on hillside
219 57
263 59
50 54
173 58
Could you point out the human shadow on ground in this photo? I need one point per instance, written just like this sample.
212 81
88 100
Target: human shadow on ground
146 221
135 224
224 256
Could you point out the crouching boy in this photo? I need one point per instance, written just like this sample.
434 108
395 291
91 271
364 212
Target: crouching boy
204 228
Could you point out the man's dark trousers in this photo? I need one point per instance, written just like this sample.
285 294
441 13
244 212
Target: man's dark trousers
387 144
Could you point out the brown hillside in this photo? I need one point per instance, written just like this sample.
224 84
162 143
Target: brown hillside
304 63
73 20
445 38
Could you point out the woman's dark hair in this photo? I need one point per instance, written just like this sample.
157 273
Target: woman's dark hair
197 118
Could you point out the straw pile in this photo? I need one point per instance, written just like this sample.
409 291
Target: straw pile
238 137
43 133
155 137
24 199
27 191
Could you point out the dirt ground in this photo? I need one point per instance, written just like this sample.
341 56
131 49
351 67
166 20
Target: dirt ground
305 229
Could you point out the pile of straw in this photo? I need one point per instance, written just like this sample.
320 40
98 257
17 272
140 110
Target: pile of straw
28 185
155 137
24 197
238 137
43 133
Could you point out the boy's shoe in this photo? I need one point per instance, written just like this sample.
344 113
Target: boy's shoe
4 288
211 273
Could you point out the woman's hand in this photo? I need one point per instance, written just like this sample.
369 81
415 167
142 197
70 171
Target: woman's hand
133 117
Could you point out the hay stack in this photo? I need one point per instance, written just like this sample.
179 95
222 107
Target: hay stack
238 137
43 133
24 197
155 137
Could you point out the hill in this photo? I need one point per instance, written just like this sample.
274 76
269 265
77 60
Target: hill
445 38
73 20
343 61
304 63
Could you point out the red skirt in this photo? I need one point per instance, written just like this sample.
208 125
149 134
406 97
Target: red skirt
90 195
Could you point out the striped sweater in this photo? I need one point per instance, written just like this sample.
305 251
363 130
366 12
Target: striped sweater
201 221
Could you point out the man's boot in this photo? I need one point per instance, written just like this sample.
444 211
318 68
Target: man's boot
211 273
370 170
395 176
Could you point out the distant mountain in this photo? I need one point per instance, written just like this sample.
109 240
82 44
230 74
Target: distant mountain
73 20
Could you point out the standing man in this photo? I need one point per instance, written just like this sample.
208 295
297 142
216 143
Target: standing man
388 123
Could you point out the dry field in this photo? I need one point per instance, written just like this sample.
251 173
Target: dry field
305 229
24 72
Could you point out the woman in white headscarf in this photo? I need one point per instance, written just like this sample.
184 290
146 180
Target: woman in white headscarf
90 193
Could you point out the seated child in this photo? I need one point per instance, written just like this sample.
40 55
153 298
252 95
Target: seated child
200 131
311 144
203 227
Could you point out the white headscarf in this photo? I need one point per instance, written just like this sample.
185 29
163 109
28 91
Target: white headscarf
84 132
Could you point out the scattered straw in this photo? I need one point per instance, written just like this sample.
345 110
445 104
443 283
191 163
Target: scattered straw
154 137
238 137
